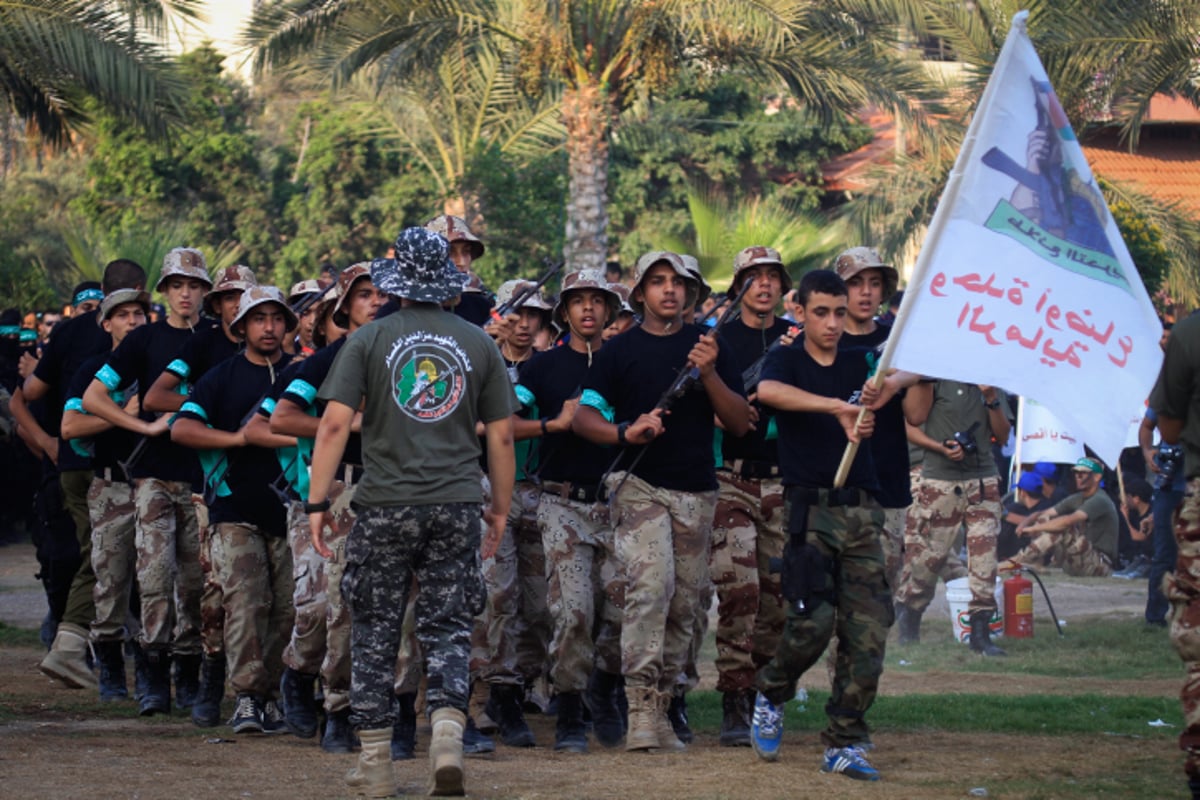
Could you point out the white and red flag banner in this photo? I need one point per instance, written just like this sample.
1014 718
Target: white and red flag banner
1042 436
1024 281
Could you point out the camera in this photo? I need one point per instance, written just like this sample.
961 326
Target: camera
1169 459
965 440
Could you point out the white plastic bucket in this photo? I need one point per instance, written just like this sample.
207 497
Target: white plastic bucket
958 596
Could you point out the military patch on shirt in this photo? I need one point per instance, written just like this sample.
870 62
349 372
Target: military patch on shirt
429 375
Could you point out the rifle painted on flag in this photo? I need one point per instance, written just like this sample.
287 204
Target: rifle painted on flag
1024 281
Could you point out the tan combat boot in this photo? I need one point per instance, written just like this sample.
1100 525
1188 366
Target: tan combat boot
667 740
67 660
372 776
643 707
446 752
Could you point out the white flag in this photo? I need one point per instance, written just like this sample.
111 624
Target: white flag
1043 437
1024 281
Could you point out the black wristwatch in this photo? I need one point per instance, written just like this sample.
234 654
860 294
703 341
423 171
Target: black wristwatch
316 508
993 405
621 428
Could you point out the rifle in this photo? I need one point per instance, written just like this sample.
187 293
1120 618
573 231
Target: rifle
752 374
518 300
308 301
685 379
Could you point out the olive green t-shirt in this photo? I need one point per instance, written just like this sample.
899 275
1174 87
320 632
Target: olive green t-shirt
956 407
1101 527
426 376
1177 393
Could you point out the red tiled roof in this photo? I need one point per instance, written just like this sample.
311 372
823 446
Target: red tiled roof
1167 168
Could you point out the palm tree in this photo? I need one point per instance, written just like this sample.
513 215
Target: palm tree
834 55
56 55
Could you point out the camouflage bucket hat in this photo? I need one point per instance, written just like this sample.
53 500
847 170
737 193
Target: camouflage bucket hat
587 279
857 259
754 257
300 289
258 295
622 293
455 229
693 266
186 262
649 260
421 269
346 279
510 289
231 279
119 298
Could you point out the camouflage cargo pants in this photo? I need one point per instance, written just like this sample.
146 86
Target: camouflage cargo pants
860 613
254 572
747 534
1070 549
114 556
212 609
914 527
585 594
662 540
1183 591
512 643
942 508
386 547
320 637
168 565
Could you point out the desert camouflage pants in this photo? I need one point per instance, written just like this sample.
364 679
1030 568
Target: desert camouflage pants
320 640
1070 549
861 613
168 565
386 548
951 570
662 541
942 507
254 572
1183 591
747 534
585 593
212 609
510 643
114 556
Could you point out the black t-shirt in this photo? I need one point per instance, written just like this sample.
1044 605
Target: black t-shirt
74 341
889 443
209 347
747 345
474 307
142 356
629 376
224 399
107 447
299 384
811 444
548 380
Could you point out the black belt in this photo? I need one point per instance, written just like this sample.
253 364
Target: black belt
752 470
572 491
826 497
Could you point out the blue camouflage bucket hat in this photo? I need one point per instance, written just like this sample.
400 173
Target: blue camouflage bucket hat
420 270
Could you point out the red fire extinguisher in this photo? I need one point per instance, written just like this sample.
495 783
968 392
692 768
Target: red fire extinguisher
1018 607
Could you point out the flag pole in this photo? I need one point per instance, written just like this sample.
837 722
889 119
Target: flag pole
1015 472
941 218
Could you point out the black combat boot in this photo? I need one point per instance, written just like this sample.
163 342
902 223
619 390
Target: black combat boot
187 680
112 671
981 635
339 736
601 699
299 705
157 699
404 732
908 623
141 671
735 718
505 702
569 732
677 714
475 741
206 710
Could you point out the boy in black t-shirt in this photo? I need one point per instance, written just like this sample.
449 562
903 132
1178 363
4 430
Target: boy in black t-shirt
663 508
748 526
250 555
584 593
834 545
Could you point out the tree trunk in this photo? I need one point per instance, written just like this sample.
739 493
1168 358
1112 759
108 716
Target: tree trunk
587 117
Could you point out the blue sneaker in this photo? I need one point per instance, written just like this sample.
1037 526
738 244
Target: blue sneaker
851 762
766 728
